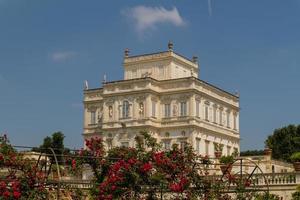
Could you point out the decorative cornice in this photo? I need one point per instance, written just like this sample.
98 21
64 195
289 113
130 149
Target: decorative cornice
141 98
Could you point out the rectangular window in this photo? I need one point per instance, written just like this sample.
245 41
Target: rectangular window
93 117
183 109
153 108
228 150
182 144
215 115
206 147
206 113
167 144
167 110
124 144
198 145
134 73
125 109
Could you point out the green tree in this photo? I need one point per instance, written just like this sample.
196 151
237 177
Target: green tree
252 153
284 142
56 142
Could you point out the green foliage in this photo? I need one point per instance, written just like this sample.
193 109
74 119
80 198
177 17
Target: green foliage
284 142
235 153
296 195
20 179
252 153
266 196
218 147
295 157
56 142
226 159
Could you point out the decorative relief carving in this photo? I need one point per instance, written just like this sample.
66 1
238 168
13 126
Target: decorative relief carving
141 98
175 110
100 115
91 108
125 87
110 101
166 99
198 98
146 57
110 111
207 102
154 99
141 109
110 88
142 85
92 96
184 97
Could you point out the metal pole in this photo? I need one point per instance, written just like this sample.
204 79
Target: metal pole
58 173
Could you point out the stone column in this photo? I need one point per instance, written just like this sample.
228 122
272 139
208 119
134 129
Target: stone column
297 178
192 107
148 106
116 111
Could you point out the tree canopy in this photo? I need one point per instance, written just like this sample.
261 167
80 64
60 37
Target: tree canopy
284 142
252 153
56 142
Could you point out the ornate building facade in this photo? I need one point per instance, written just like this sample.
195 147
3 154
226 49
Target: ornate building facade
162 94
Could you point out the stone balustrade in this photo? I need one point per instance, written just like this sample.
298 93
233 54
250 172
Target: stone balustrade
276 179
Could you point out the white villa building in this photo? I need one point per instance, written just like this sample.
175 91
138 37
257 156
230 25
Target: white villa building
162 94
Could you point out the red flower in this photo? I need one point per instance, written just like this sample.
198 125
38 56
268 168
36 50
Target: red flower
2 185
175 187
247 183
15 185
113 187
146 167
132 161
73 164
6 194
81 152
17 194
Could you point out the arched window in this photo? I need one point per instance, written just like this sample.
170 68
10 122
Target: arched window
125 109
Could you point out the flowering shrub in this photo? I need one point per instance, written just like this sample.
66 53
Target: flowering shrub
147 172
19 178
139 173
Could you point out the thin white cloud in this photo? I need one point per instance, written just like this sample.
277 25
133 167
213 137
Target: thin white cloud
149 17
63 56
209 8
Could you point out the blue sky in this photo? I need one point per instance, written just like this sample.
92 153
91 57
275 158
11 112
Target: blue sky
48 48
